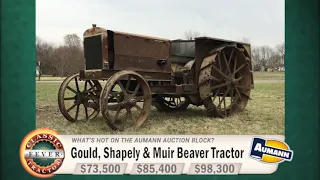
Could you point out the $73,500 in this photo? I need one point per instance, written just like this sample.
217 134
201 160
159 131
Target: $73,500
100 168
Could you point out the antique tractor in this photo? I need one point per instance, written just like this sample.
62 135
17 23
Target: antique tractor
143 71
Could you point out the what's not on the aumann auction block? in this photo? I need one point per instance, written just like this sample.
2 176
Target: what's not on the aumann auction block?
45 153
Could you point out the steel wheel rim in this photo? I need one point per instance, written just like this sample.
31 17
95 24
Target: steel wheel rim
85 99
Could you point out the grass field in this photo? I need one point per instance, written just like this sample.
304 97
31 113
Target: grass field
264 115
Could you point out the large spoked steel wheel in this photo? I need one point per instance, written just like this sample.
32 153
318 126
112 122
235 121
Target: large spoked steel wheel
171 103
125 100
79 100
225 81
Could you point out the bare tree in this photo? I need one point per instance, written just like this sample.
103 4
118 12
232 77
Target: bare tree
60 61
44 55
281 50
257 62
75 54
265 57
191 35
274 60
72 40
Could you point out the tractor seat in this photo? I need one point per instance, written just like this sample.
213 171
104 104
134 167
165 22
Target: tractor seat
180 71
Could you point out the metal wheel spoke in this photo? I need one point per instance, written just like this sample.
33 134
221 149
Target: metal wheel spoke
71 89
215 95
238 92
77 113
239 78
138 107
214 78
128 83
225 60
90 89
121 86
69 98
220 85
230 57
136 90
117 114
86 111
77 85
235 65
70 108
225 76
85 85
224 96
92 85
239 68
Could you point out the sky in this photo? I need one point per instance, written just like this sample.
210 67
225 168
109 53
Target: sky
260 21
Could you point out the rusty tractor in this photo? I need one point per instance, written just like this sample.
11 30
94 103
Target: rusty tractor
143 71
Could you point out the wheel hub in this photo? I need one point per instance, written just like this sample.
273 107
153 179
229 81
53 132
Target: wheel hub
128 102
132 101
232 81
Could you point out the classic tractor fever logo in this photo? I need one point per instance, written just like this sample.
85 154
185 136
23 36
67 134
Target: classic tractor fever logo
270 151
41 153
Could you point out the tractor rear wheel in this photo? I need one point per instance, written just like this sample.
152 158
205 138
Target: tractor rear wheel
225 81
165 103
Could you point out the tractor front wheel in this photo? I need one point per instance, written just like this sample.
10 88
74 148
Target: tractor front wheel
123 93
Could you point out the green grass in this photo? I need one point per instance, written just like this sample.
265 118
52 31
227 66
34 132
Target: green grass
264 115
268 75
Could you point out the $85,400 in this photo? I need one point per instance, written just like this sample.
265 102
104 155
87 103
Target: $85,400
148 168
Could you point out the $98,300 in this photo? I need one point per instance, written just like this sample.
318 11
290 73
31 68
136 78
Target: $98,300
209 168
157 168
100 168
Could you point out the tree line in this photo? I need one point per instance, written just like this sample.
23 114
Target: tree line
60 60
68 58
